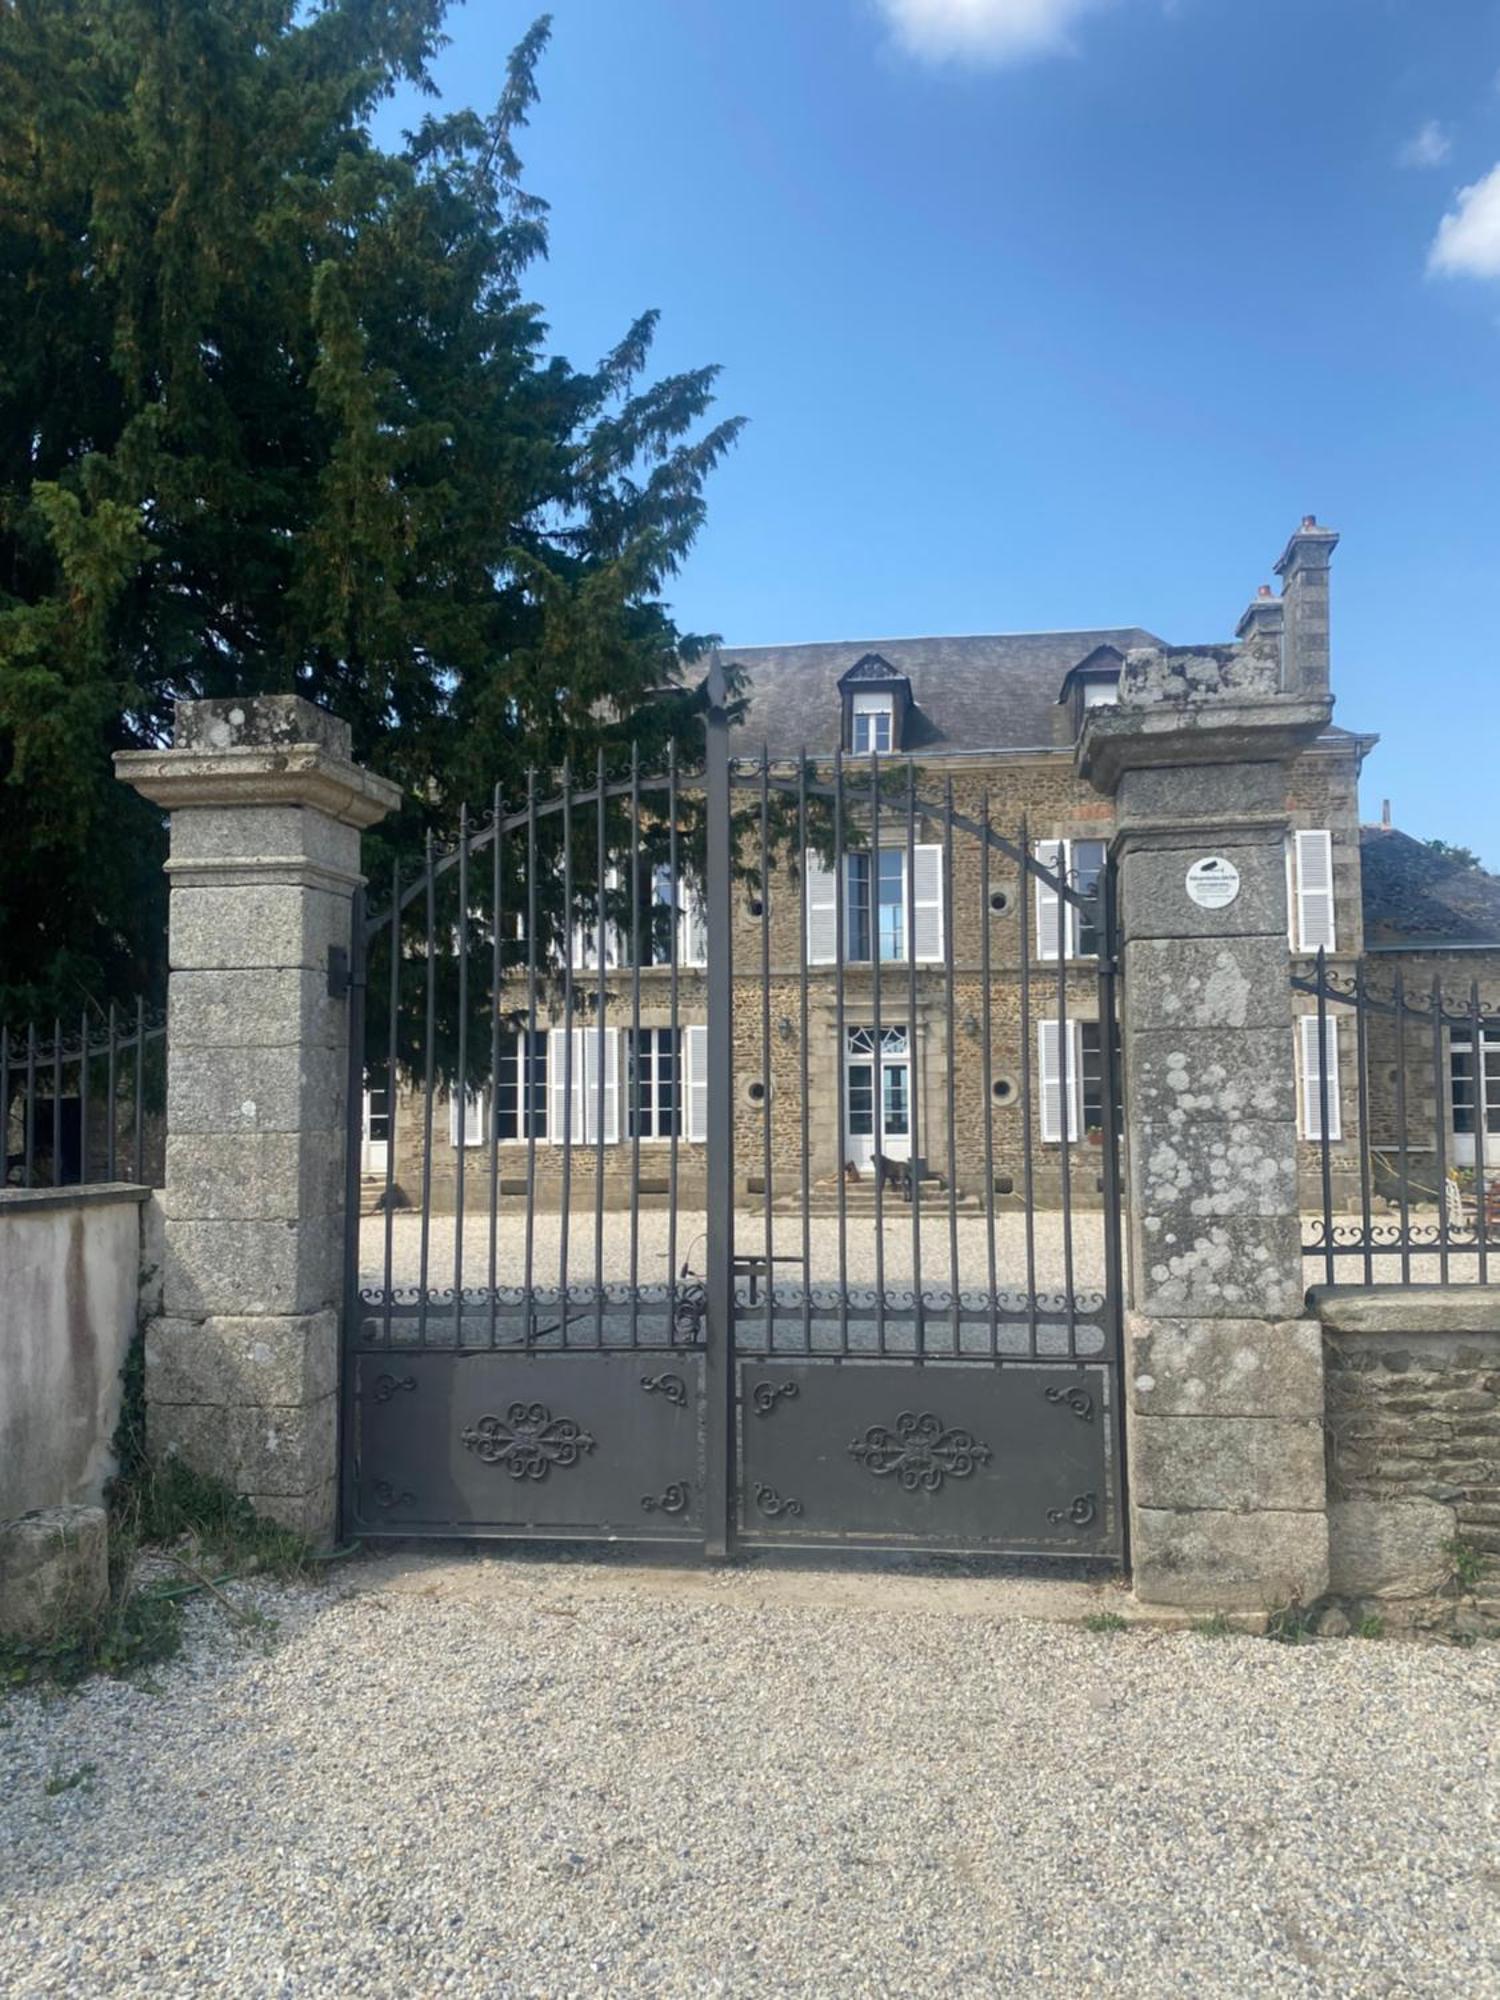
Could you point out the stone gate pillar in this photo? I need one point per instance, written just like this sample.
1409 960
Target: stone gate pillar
1223 1378
241 1368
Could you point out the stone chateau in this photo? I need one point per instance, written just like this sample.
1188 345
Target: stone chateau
994 722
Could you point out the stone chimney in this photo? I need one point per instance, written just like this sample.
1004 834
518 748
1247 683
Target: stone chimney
1263 617
1304 597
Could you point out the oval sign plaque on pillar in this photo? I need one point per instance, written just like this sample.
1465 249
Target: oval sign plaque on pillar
1213 883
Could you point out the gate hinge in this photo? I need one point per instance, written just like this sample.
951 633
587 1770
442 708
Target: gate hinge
339 980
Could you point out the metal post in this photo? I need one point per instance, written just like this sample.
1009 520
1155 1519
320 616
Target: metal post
718 1367
353 1135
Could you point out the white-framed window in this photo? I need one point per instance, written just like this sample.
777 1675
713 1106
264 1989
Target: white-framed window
1465 1097
872 723
672 903
578 1096
1309 890
1085 1080
1101 693
881 909
1079 863
517 1081
666 1082
1311 1046
653 1082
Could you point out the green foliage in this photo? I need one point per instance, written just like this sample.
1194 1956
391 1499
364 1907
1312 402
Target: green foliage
1104 1621
1466 1565
277 415
1371 1626
1215 1627
80 1777
1290 1625
170 1504
137 1629
1461 857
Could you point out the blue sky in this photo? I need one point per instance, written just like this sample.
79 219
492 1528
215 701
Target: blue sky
1054 313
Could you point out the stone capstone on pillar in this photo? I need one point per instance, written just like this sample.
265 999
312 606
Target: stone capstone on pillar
267 807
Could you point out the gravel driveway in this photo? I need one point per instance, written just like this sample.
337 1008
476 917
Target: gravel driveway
512 1775
750 1236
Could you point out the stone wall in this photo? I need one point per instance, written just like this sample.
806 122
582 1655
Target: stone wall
1413 1441
70 1276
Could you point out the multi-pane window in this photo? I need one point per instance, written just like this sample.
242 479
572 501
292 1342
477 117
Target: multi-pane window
518 1080
1085 1078
889 912
1059 921
895 1087
654 1082
904 917
1461 1073
872 724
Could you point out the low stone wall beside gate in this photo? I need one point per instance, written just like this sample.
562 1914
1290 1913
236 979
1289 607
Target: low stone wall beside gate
1412 1383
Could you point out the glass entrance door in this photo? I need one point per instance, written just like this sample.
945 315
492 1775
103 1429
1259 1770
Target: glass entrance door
877 1097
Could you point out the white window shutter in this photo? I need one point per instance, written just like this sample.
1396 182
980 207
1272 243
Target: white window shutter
692 943
1311 1073
695 1085
1049 1074
822 912
564 1091
1052 855
597 1098
476 1105
1315 925
927 901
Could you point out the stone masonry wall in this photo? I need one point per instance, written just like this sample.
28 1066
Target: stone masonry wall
1412 1384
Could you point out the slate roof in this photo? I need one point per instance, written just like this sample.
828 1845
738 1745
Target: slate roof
997 692
1414 897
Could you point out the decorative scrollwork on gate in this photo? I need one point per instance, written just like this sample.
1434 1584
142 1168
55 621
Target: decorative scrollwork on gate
671 1386
772 1504
921 1453
674 1500
766 1395
1079 1401
527 1441
1081 1511
385 1495
387 1385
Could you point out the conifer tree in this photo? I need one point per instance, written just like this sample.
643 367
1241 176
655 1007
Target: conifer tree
277 415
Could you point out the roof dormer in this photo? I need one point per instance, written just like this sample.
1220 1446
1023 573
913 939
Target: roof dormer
876 703
1092 683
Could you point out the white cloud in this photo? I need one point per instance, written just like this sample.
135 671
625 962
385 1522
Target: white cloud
1467 244
1428 147
985 31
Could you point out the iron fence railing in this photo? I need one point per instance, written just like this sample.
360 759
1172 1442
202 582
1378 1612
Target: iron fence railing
1399 1097
83 1105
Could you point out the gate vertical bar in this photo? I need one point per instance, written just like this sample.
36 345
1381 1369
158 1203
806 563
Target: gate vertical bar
354 1107
461 1088
945 891
718 1366
916 1147
1481 1133
1114 1274
497 982
802 1024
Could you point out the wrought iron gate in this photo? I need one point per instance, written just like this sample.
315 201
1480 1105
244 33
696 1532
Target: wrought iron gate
749 1172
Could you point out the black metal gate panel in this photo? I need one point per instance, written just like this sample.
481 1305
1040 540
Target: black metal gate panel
745 1170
